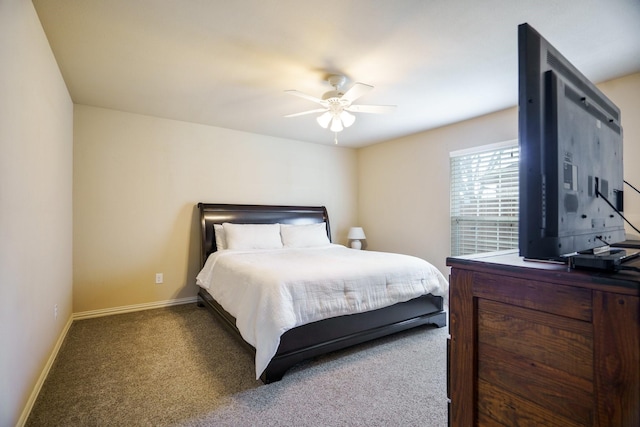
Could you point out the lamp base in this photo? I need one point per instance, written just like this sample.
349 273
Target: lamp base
356 244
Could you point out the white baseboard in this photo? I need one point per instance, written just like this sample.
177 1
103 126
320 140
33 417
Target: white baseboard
131 308
43 375
87 315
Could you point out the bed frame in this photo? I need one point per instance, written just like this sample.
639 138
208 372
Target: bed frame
324 336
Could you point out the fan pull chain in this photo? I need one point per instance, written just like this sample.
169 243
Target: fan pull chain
335 138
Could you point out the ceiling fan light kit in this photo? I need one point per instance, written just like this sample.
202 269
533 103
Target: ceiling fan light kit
347 118
324 119
338 105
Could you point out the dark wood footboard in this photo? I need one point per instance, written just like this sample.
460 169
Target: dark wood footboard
324 336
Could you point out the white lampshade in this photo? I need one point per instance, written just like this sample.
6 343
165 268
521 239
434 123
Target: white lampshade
356 233
324 119
347 118
336 124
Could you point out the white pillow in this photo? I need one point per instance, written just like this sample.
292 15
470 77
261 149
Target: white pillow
252 236
304 235
221 240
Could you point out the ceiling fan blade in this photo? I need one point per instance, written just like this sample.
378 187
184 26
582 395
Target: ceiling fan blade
317 110
355 92
377 109
305 96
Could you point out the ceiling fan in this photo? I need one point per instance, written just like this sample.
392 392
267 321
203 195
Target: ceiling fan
337 105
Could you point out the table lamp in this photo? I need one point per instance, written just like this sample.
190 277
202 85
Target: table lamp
356 234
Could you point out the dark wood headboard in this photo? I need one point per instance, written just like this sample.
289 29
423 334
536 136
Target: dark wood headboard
212 213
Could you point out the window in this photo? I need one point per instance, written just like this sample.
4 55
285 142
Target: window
484 199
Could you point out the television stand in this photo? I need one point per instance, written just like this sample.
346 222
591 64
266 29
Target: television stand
539 344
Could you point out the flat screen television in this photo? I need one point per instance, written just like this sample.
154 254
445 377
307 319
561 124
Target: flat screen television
570 140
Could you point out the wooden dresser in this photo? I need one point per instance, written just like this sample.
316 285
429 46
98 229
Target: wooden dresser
535 344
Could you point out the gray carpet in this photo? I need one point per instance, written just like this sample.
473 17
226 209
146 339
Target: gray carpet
178 367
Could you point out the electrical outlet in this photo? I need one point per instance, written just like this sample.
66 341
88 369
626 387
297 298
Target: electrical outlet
55 311
159 278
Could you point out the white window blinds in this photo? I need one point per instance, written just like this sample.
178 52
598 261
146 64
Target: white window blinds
484 199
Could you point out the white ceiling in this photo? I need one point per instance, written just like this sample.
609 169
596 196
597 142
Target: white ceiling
228 63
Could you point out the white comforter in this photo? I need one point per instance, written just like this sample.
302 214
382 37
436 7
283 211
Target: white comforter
272 291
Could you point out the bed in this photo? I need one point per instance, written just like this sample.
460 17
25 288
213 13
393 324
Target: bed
317 337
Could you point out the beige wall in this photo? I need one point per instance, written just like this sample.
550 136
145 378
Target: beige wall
137 180
36 139
403 184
